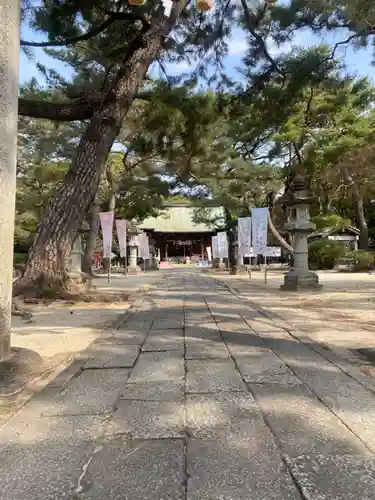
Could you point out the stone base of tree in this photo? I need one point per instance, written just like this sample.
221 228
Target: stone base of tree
301 280
20 368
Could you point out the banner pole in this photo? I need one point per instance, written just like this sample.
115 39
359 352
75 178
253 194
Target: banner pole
109 270
265 269
250 268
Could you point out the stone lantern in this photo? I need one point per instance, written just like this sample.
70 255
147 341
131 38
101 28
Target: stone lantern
298 201
75 269
133 233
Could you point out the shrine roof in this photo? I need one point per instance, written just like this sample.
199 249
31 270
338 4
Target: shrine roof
180 219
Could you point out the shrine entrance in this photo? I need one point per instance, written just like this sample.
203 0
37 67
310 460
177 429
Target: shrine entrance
177 247
178 235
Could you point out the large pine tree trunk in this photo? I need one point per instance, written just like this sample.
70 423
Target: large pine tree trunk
49 257
358 208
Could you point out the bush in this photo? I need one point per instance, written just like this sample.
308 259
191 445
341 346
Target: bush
361 260
325 254
329 221
19 260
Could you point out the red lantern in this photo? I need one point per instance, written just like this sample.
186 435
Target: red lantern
204 5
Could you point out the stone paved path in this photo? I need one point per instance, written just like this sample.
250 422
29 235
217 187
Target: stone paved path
196 396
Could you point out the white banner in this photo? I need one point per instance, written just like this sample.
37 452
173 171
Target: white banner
272 252
144 246
259 228
106 221
209 254
215 247
121 236
222 243
244 236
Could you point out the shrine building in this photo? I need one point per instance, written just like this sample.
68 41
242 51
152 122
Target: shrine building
176 236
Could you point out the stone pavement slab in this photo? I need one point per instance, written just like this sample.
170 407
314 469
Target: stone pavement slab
347 398
165 340
229 414
107 355
42 459
205 343
149 419
164 390
93 392
265 367
213 375
302 424
137 470
334 477
158 367
237 469
130 336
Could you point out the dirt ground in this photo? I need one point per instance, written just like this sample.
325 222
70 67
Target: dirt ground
341 315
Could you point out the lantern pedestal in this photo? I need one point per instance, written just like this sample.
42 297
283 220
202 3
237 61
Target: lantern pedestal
133 267
298 201
133 244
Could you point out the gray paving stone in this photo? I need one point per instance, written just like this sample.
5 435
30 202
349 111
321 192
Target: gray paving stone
237 469
302 424
346 397
92 392
164 340
335 477
128 336
197 320
210 416
137 470
42 458
206 348
264 325
265 367
112 356
213 375
202 331
154 391
168 323
149 419
241 340
158 367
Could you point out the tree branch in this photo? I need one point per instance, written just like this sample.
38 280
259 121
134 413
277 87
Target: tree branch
65 112
251 26
115 16
62 112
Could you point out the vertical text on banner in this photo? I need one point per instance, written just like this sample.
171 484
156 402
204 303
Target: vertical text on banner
222 244
244 236
106 222
259 226
121 236
215 248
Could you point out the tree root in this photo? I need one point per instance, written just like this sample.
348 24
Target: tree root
18 310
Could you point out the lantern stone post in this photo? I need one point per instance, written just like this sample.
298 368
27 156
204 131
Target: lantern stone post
133 267
9 62
298 201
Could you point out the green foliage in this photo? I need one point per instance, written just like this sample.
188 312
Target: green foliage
360 260
19 260
332 221
325 254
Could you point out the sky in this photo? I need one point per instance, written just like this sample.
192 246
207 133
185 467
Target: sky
358 62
